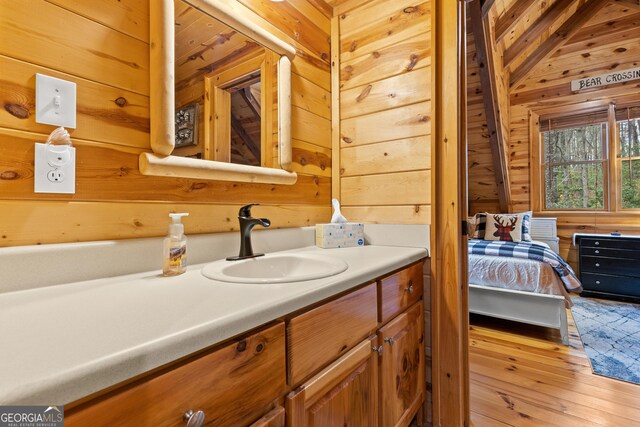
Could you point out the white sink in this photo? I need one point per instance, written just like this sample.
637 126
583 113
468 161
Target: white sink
275 268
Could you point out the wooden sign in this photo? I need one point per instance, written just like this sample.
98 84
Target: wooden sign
605 79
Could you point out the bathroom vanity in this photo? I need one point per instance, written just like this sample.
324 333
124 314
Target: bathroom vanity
202 352
361 352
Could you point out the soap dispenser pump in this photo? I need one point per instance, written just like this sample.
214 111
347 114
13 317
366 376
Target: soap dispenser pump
174 257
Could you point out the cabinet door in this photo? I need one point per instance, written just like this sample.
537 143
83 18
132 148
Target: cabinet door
402 379
344 394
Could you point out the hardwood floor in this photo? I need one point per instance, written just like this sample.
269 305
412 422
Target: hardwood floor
523 376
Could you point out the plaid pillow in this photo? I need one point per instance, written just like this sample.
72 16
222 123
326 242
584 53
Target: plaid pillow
481 225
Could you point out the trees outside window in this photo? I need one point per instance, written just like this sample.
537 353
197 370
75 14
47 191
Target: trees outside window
574 167
629 163
586 161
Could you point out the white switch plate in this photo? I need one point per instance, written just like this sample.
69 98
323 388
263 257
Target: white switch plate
55 101
55 169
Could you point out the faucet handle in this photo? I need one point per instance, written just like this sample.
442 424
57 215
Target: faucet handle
245 211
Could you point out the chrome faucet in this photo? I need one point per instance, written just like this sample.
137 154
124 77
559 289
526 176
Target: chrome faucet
247 222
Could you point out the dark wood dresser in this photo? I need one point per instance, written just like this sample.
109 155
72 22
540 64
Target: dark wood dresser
609 265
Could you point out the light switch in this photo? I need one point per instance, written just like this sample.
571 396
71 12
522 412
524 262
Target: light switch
55 169
55 101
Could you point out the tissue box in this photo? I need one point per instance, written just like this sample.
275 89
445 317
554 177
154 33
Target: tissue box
339 235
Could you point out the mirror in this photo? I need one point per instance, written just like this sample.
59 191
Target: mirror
221 95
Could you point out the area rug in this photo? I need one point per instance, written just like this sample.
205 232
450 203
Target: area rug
610 332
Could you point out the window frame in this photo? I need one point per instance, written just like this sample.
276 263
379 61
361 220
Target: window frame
612 171
619 167
604 161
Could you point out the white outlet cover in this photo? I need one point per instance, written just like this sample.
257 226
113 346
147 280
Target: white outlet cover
64 170
55 101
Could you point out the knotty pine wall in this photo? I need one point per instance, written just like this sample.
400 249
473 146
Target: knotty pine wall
385 110
103 46
385 119
609 41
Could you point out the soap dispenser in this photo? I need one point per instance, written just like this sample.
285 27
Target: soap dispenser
174 256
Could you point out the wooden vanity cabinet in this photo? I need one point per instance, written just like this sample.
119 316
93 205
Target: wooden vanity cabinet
402 377
321 335
355 360
234 386
343 394
381 381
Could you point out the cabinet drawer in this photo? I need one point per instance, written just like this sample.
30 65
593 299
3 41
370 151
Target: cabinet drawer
616 266
611 284
399 291
612 253
614 243
234 385
320 336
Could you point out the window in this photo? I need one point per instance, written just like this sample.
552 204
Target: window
587 161
628 131
574 167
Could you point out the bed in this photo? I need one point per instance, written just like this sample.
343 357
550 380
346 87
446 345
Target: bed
521 289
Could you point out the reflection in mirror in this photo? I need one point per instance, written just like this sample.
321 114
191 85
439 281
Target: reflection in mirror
221 95
220 73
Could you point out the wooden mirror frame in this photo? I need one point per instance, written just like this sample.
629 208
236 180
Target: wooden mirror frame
162 102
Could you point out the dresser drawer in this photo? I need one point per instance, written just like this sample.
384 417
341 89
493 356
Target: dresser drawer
611 284
611 253
233 386
615 266
613 243
399 291
321 335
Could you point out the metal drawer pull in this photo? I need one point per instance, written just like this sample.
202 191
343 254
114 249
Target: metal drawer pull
193 419
377 349
390 340
597 264
597 243
597 251
597 282
410 287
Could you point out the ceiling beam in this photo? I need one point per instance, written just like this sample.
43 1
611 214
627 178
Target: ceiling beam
538 28
244 136
570 27
484 58
511 17
253 104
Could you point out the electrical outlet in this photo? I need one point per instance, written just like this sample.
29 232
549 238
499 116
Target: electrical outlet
55 101
55 169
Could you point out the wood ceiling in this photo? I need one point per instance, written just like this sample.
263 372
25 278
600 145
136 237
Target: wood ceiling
538 47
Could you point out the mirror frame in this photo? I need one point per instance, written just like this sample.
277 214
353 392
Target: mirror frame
162 100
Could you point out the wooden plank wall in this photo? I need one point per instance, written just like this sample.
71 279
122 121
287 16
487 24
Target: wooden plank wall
385 110
609 41
103 46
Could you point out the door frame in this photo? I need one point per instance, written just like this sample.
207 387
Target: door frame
449 290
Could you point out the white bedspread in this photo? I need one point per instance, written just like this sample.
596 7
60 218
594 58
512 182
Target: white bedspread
517 274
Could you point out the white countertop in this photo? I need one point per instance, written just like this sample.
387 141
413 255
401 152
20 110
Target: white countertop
61 343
